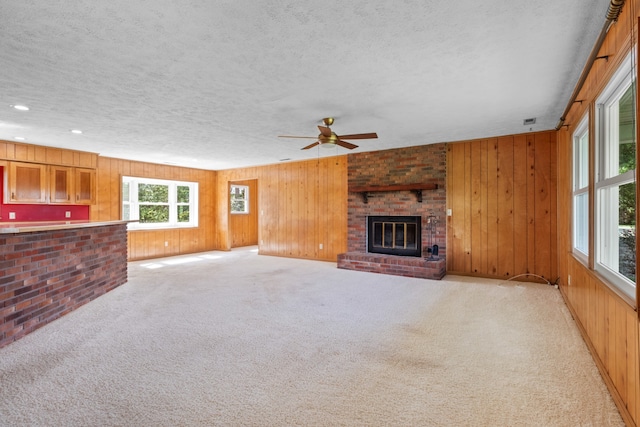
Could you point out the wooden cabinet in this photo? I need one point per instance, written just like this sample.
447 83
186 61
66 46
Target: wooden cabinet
60 184
85 186
37 183
27 183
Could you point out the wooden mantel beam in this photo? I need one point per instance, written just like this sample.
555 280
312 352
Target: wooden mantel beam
416 188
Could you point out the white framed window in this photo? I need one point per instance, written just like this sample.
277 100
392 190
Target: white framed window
615 185
239 199
159 203
581 189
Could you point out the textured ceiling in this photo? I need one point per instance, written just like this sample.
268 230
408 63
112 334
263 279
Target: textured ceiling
211 83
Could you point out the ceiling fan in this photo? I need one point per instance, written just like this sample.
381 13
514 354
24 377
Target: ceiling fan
328 138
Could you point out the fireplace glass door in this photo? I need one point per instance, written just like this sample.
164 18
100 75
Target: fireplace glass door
395 235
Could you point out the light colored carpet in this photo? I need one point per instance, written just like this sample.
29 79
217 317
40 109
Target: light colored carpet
238 339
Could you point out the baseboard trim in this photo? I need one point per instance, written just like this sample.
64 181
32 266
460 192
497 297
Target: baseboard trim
620 404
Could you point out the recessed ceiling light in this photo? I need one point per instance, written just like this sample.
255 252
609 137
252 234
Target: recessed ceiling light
19 138
20 107
76 131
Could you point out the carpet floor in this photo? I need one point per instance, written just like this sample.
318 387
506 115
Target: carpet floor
239 339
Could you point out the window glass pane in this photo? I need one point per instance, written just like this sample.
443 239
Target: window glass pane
238 192
125 191
154 213
183 194
126 212
153 193
581 162
237 206
627 231
627 140
183 213
617 232
581 222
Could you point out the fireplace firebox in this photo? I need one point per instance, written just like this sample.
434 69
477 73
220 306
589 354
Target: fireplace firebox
394 235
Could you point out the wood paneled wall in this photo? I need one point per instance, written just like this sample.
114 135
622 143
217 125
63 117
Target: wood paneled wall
301 205
47 155
243 228
608 322
151 243
501 192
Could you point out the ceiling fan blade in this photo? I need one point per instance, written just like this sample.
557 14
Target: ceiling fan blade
346 144
360 136
292 136
325 131
310 146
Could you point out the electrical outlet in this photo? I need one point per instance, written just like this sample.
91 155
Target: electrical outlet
321 246
166 244
67 214
12 215
569 280
448 212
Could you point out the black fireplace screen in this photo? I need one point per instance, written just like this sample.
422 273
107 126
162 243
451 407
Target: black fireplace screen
395 235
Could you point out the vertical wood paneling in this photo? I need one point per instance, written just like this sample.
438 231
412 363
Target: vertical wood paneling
542 186
466 236
456 199
478 213
304 205
519 200
531 204
609 324
492 207
506 244
499 190
483 244
553 204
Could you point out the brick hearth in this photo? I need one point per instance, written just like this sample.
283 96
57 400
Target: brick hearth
394 265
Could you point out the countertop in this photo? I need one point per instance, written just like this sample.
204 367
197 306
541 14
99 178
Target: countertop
30 227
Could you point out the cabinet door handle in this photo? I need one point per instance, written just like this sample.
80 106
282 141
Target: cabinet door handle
68 197
77 197
13 196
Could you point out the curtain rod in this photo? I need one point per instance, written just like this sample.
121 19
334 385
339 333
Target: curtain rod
615 7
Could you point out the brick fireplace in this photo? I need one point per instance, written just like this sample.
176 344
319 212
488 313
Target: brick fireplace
405 182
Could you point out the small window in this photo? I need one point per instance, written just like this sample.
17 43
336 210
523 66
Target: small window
239 199
157 203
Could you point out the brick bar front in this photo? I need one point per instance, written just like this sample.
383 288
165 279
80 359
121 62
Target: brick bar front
46 274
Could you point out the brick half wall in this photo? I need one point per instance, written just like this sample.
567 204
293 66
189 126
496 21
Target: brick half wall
48 274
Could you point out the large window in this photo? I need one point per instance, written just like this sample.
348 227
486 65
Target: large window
157 203
581 189
615 212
